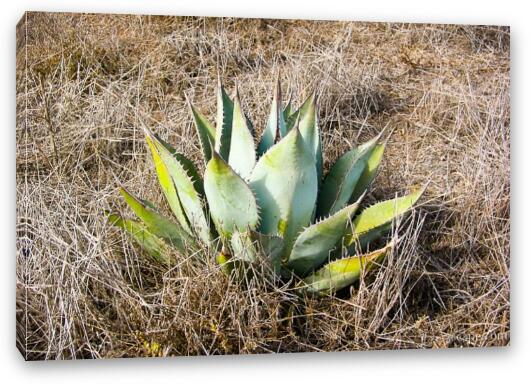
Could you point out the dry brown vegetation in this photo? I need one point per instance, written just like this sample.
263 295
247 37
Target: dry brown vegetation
85 83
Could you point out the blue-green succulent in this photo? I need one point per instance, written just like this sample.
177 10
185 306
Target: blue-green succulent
268 202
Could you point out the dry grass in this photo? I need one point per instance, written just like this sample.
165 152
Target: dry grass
86 82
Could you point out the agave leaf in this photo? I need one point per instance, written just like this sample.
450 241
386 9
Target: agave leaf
250 252
250 125
157 224
188 195
271 246
153 245
242 156
148 204
288 110
285 183
313 246
342 179
205 131
167 185
344 272
276 125
364 240
223 122
292 119
268 244
369 172
188 165
232 203
250 245
379 216
243 247
309 129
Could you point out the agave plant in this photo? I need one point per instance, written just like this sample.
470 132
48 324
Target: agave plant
268 203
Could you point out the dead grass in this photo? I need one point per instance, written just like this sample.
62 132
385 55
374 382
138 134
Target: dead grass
86 82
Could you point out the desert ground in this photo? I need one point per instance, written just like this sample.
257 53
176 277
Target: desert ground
86 84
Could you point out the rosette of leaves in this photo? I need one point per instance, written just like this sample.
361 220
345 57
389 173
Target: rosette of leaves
268 202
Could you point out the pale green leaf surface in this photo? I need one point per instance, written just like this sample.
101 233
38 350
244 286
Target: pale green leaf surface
232 203
242 155
288 111
285 184
250 245
225 107
276 125
309 129
271 246
313 246
369 172
243 247
342 179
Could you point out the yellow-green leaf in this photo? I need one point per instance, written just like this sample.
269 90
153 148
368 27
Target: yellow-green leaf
153 245
157 224
189 197
187 164
167 185
377 217
344 272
